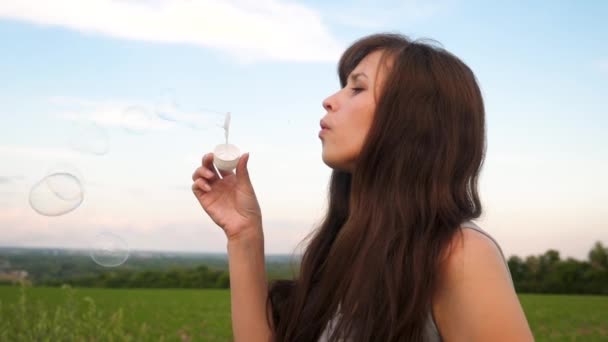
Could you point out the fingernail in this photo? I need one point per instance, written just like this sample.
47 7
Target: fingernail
207 187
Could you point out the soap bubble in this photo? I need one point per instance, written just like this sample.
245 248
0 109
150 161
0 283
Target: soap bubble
56 194
89 138
166 105
197 119
138 120
58 184
109 250
168 109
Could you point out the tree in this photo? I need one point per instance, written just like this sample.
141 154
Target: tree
223 281
517 268
598 257
551 257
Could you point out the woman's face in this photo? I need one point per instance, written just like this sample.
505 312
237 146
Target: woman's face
350 113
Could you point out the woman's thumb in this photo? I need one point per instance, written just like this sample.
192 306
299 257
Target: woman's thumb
242 173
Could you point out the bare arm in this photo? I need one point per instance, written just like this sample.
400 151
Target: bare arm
248 288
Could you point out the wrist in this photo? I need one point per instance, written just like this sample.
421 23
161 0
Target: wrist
248 235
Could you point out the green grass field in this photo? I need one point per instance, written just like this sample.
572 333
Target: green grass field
204 315
169 315
567 318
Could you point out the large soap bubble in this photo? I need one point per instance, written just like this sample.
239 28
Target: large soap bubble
56 194
109 250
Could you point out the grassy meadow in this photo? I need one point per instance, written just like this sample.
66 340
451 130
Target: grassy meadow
33 314
125 314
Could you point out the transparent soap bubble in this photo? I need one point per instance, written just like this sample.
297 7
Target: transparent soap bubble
56 194
89 138
109 250
167 108
58 185
196 119
139 120
166 105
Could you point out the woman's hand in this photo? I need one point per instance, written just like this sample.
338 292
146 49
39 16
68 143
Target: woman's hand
230 202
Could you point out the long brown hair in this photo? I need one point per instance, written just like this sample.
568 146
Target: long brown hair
377 254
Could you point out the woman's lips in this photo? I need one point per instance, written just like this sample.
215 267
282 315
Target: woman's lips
324 128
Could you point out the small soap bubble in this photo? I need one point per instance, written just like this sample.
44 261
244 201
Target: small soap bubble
138 120
90 138
56 194
109 250
166 106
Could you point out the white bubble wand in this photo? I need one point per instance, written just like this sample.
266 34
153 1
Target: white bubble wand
226 163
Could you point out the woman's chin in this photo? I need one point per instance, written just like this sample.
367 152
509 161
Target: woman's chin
328 161
336 164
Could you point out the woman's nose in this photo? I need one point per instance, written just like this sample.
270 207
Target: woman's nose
328 105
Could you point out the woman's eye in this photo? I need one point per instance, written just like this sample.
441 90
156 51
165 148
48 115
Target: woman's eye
356 90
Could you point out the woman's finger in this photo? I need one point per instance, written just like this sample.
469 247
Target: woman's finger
201 184
203 172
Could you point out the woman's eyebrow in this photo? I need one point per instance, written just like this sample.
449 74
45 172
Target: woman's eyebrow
353 77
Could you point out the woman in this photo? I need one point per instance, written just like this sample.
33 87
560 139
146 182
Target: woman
397 257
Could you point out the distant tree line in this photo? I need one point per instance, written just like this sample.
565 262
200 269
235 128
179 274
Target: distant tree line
548 273
199 277
45 265
544 273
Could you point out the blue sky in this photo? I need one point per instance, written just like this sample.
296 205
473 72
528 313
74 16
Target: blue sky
68 72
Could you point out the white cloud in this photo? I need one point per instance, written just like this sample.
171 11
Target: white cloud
247 30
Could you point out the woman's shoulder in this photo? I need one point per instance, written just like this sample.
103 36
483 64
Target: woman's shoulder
472 257
475 239
474 281
474 249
